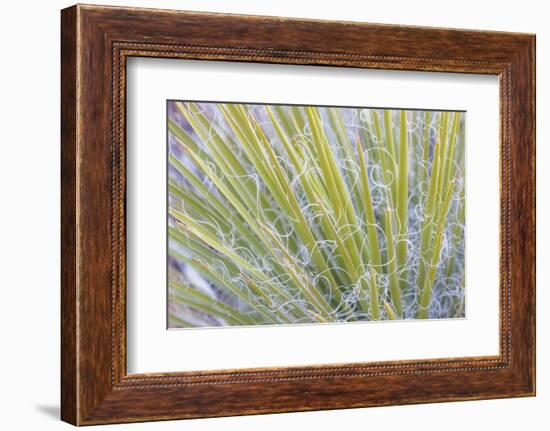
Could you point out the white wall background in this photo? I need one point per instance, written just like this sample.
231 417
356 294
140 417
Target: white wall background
29 215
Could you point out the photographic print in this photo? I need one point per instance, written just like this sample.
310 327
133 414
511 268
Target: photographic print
287 214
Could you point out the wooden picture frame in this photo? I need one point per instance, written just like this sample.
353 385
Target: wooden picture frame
96 41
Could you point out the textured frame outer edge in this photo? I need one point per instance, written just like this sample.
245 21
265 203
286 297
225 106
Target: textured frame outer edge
121 398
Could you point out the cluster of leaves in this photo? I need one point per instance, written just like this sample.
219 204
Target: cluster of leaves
300 214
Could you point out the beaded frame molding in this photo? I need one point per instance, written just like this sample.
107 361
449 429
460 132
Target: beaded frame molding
95 43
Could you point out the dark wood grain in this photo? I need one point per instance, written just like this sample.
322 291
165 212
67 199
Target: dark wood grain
69 398
96 41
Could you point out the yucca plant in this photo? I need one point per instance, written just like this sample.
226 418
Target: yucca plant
302 214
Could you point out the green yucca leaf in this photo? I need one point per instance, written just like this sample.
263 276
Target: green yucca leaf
389 311
374 304
392 263
203 302
403 195
392 162
425 146
370 219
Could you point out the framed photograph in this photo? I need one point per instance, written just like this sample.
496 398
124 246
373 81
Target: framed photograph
264 214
